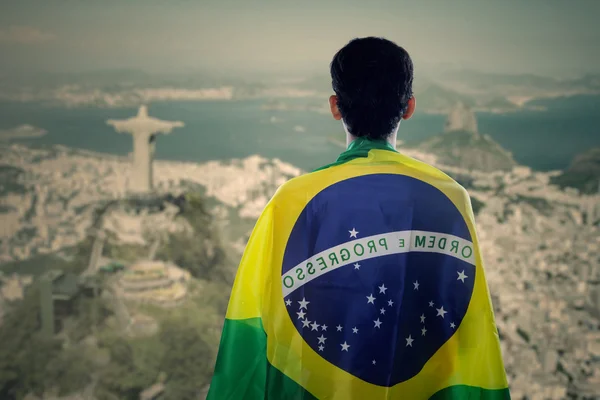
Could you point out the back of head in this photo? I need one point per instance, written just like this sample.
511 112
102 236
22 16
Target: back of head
372 79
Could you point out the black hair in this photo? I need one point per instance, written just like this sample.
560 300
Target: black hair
372 79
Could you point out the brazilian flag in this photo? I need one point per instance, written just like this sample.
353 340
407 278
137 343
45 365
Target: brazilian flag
362 280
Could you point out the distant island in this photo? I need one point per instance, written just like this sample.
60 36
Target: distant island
461 145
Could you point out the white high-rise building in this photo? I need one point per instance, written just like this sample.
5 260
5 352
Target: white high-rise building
144 130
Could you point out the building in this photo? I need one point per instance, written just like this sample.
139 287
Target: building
156 282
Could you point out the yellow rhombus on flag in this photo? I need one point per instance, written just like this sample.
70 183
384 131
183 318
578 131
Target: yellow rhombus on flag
362 280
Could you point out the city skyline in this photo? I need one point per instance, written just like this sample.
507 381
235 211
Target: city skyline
540 37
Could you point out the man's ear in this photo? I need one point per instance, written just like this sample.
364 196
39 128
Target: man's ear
334 108
410 109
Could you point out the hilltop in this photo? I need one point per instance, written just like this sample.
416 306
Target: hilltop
164 263
161 279
461 145
583 173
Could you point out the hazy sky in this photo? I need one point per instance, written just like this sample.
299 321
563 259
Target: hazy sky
515 36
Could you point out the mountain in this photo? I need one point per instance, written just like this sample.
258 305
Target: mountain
461 145
499 104
590 80
583 173
522 91
483 92
484 80
582 103
461 118
436 98
320 83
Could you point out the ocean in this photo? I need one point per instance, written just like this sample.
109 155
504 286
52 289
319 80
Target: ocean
542 140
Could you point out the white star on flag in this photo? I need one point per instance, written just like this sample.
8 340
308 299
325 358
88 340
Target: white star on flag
461 276
431 304
288 302
441 312
354 330
314 326
390 303
452 325
382 288
416 283
422 318
321 348
324 327
305 323
374 362
345 346
303 303
301 314
353 233
370 299
423 331
409 341
377 323
357 266
322 339
339 328
382 311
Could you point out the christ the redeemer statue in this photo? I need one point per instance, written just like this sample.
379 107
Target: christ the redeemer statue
144 130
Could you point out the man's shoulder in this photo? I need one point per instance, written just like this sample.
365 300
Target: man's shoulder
396 163
430 173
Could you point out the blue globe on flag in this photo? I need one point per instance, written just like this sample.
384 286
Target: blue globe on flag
377 281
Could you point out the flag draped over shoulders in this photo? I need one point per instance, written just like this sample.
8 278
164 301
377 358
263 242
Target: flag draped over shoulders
362 280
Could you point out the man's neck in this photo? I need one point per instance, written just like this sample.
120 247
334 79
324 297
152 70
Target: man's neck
391 139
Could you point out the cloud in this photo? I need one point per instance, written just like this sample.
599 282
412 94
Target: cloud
24 35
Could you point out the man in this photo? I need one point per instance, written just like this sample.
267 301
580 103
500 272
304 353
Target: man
363 279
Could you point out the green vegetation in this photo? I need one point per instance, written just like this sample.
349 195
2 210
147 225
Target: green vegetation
539 203
125 252
112 267
89 349
187 360
9 180
31 363
33 266
182 353
4 209
25 235
134 365
200 253
477 205
583 173
70 370
468 150
178 353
